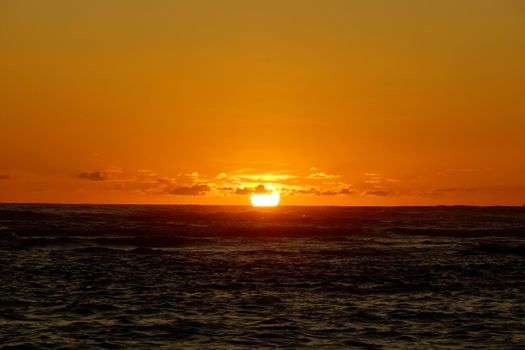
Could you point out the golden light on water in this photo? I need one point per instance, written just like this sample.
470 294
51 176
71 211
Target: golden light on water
265 196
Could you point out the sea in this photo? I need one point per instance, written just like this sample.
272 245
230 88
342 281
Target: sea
226 277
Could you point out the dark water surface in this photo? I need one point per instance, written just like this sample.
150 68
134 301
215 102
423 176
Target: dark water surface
234 277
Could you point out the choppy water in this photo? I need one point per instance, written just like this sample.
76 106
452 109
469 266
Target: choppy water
234 277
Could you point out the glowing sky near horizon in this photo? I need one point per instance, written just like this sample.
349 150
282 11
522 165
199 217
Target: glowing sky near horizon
332 102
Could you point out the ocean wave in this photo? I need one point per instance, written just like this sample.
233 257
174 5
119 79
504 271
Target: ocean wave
217 277
503 248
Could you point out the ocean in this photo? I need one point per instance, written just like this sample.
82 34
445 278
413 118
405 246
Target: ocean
219 277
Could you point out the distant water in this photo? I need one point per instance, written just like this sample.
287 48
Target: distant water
199 277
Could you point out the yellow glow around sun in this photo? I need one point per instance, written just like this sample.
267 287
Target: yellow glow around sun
265 196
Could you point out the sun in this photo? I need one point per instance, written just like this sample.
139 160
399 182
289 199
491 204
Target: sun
265 196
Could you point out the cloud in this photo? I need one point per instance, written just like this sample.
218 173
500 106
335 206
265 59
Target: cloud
108 174
452 189
328 193
320 192
266 177
5 177
377 193
93 176
147 172
195 190
462 170
322 175
243 191
149 182
226 183
372 178
261 189
344 191
311 190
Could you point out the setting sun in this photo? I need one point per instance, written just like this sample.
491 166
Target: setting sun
265 196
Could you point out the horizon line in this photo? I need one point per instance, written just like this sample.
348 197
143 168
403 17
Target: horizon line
266 208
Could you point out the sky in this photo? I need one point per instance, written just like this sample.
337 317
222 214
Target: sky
333 102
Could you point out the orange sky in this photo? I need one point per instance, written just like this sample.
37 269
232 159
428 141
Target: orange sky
334 102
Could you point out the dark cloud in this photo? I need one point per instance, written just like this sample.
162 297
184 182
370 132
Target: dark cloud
311 190
336 192
93 176
377 193
261 190
5 177
328 193
113 173
195 190
444 190
243 191
319 192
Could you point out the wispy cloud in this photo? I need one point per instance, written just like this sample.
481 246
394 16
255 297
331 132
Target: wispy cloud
372 178
266 177
322 175
196 190
380 193
147 172
92 176
319 191
113 173
463 170
453 189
